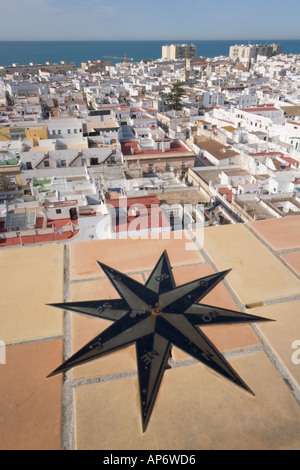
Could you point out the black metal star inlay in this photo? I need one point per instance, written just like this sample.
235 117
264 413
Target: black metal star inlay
156 316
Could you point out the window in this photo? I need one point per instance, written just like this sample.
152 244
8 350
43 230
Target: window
58 211
63 162
69 131
75 131
59 132
46 163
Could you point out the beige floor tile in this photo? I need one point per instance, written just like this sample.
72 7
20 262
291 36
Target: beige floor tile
29 279
96 289
219 296
281 234
31 404
257 275
129 255
224 337
293 260
195 410
231 337
86 328
283 333
117 425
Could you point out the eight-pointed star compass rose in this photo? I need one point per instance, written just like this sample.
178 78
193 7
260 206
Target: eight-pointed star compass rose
156 316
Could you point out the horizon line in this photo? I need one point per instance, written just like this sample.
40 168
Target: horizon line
140 40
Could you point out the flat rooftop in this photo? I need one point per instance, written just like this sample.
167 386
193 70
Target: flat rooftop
209 175
196 409
175 148
182 197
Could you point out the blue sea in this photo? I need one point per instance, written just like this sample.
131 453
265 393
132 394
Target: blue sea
80 51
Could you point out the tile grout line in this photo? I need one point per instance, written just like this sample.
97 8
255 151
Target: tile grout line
104 378
280 300
273 251
269 352
279 366
288 250
174 365
129 273
233 294
227 354
29 245
67 394
35 340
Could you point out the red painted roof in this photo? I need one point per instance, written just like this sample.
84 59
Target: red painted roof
149 214
259 110
224 120
228 193
174 147
291 160
73 202
280 154
43 237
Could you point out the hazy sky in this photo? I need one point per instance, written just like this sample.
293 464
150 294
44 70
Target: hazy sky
153 19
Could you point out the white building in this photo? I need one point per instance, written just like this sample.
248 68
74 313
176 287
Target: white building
246 100
218 154
284 182
263 110
2 93
236 177
64 127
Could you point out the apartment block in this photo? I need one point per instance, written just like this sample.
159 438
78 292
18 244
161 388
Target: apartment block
251 51
179 51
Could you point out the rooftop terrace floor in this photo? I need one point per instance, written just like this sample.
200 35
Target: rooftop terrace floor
196 409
